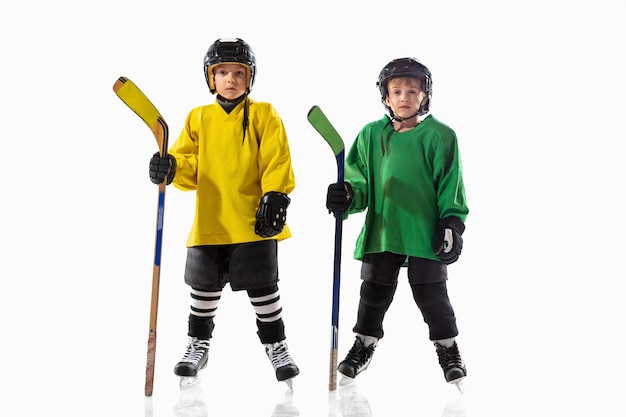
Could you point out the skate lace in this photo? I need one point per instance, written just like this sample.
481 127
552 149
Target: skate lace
195 351
449 357
279 355
359 354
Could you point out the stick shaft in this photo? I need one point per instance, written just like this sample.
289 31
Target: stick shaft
154 301
137 101
332 378
320 122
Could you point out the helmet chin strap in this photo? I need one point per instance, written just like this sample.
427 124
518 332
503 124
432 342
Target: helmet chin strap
395 118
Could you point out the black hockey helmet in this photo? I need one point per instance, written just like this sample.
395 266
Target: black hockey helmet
228 50
406 67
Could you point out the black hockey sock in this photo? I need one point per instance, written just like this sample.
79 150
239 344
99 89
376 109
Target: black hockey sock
201 327
432 300
374 303
271 332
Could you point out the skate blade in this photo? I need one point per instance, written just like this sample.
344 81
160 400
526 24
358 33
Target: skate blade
289 383
345 380
459 384
188 382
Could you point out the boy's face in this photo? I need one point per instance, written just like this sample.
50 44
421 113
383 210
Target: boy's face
404 96
231 80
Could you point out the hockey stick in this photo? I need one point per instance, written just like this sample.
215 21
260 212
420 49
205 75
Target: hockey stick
132 96
319 121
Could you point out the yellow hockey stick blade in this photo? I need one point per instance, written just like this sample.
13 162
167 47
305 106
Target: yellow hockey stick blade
137 101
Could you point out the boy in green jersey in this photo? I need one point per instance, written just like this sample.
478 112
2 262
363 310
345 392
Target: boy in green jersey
405 171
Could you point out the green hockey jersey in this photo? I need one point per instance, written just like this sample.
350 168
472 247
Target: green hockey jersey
407 182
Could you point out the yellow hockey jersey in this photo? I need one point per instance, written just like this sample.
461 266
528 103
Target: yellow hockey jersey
231 170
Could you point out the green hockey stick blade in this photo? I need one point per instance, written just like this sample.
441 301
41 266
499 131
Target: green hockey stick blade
137 101
320 122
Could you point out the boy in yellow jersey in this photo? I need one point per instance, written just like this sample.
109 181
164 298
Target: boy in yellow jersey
235 155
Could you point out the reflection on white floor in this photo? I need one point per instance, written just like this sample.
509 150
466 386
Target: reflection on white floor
346 401
191 403
286 408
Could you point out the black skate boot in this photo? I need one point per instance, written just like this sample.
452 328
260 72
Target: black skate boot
357 360
194 359
282 362
451 363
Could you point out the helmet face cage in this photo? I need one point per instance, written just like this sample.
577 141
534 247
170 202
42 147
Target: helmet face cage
406 67
229 51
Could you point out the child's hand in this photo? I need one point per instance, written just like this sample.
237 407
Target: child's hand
447 242
272 214
339 196
162 168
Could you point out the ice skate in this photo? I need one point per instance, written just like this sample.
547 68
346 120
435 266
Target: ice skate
452 365
282 362
357 360
194 359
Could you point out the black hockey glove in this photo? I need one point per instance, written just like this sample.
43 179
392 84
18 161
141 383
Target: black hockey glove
272 214
448 242
339 196
162 168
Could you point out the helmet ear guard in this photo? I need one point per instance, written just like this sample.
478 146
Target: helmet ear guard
406 67
229 51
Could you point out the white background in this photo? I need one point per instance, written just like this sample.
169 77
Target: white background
534 91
